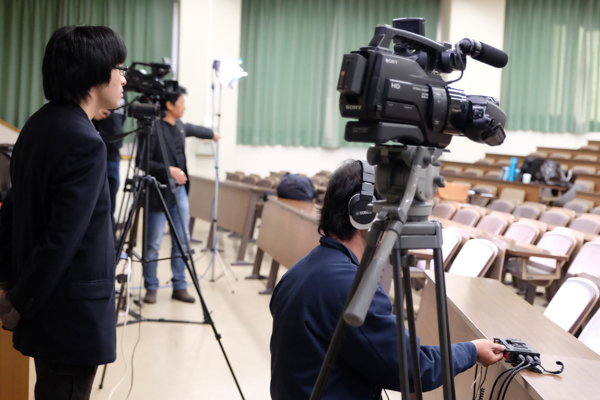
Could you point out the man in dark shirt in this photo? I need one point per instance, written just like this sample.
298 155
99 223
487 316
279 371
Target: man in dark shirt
57 260
110 123
308 301
174 132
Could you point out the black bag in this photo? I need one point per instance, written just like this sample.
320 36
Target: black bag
296 187
545 171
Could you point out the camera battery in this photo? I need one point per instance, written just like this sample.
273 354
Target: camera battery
352 74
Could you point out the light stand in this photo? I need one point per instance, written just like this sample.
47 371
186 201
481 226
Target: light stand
406 176
213 239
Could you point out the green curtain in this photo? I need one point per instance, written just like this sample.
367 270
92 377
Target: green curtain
292 51
551 82
26 27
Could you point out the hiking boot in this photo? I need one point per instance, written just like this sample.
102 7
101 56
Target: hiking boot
183 295
150 297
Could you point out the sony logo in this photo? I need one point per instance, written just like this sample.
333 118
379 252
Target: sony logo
349 107
390 61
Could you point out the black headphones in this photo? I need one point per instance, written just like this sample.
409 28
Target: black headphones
360 218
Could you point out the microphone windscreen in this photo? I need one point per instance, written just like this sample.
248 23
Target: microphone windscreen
492 56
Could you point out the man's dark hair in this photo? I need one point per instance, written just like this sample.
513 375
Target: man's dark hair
344 183
78 58
172 97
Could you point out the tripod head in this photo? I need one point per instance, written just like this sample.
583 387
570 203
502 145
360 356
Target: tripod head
407 177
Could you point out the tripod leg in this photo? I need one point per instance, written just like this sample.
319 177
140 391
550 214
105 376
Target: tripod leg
443 327
407 262
400 330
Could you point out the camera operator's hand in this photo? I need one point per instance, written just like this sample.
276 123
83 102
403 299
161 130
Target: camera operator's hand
179 176
100 115
216 137
488 352
9 316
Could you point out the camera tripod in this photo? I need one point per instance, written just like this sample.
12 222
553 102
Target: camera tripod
144 186
406 177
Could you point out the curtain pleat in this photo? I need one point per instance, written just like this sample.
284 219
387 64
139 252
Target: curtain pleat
293 50
26 27
551 81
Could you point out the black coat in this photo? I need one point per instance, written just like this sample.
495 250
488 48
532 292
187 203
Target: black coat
56 241
174 140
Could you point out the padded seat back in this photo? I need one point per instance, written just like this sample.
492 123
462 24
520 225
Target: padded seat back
501 205
466 216
587 260
474 258
522 233
590 335
572 303
492 224
444 210
526 211
553 217
585 225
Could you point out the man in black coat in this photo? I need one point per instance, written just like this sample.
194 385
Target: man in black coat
57 260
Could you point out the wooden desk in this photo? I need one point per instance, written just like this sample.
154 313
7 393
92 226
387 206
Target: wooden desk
484 308
533 191
594 142
14 370
236 209
288 232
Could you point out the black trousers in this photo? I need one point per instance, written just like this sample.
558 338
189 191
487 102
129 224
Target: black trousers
63 382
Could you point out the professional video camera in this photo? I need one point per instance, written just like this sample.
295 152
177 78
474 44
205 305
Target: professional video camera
151 87
400 95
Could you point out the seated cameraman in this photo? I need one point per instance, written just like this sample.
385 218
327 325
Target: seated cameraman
308 301
174 132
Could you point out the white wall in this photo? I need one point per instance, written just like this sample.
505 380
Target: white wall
210 29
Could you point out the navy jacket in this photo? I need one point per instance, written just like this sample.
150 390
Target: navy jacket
306 305
56 240
175 151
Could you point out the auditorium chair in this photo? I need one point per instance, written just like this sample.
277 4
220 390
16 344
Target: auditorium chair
589 185
249 180
562 156
473 172
268 182
450 170
557 216
583 169
501 205
452 241
234 176
466 216
538 154
586 261
444 210
572 303
483 189
595 210
590 335
505 162
493 223
492 175
539 271
592 147
585 157
475 258
517 196
527 211
580 206
525 231
586 223
485 161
